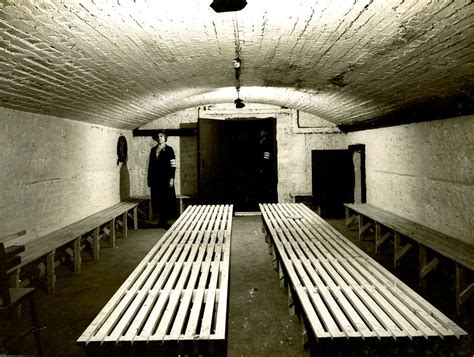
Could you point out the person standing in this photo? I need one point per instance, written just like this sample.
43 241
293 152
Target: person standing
264 161
161 173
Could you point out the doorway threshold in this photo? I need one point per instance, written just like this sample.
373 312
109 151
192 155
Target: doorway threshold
256 213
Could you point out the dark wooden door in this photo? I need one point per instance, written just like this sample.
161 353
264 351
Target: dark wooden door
332 181
212 161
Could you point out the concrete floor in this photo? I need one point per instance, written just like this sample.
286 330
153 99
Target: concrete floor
259 323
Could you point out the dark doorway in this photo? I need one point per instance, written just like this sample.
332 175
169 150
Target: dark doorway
332 181
237 162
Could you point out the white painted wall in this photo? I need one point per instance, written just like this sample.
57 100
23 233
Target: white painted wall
54 171
294 144
424 172
185 149
294 153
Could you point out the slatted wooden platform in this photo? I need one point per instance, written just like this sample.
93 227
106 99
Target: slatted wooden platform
100 224
341 292
431 244
176 300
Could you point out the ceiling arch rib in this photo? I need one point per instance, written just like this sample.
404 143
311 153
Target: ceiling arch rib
322 105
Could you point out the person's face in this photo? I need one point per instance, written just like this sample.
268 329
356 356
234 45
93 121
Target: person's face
161 138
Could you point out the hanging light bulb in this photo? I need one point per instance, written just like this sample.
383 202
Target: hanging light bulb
239 103
237 63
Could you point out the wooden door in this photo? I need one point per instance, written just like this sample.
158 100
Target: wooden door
332 181
212 161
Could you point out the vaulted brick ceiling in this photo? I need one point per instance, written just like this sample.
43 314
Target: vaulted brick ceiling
122 63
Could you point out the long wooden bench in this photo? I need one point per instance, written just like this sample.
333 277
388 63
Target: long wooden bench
431 244
145 202
99 225
175 301
143 210
340 292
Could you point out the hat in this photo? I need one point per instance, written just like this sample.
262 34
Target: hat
161 131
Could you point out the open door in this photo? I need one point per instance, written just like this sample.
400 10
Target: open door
332 180
212 162
237 162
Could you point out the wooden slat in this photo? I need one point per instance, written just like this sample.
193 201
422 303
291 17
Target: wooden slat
7 236
45 244
341 319
311 315
346 292
340 324
426 238
179 290
159 252
390 280
450 247
187 294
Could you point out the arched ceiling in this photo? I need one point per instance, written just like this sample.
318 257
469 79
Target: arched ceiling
123 63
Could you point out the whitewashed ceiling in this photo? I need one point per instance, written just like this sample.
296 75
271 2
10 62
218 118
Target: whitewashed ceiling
123 63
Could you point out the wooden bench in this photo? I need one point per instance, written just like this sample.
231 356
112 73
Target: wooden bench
143 210
11 301
431 244
145 204
340 292
176 300
93 228
183 202
5 237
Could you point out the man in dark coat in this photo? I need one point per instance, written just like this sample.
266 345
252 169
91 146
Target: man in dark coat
161 172
264 162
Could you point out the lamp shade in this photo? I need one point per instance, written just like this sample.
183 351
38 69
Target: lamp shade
228 5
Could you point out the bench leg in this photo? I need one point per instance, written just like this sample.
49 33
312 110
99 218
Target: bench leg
422 259
398 250
150 211
291 303
112 233
125 225
281 276
15 278
274 259
181 205
350 218
36 325
50 272
77 256
306 342
363 227
96 241
135 218
265 233
425 266
459 284
379 238
462 294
